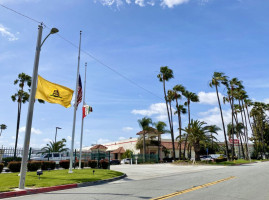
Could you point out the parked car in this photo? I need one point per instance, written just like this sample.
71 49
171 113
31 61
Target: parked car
54 156
125 161
115 162
206 158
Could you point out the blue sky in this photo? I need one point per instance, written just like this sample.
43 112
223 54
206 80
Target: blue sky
134 37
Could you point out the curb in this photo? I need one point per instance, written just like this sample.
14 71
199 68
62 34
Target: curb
55 188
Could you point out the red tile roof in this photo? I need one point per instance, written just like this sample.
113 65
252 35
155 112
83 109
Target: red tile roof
119 150
98 146
168 145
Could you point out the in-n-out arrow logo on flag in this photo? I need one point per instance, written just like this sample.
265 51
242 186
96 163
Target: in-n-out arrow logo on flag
86 109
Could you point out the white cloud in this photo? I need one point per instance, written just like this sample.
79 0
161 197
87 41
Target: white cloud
140 3
266 100
172 3
6 33
157 110
127 129
33 130
122 138
209 98
102 141
47 140
69 138
143 3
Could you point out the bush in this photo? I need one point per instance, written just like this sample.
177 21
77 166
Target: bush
14 166
6 160
1 167
104 164
92 163
83 164
48 165
64 164
34 165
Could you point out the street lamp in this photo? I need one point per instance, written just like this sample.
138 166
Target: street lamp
56 132
31 105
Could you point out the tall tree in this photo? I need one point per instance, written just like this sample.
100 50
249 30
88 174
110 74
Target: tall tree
191 97
179 110
145 123
217 79
196 132
212 129
22 96
2 127
165 75
160 127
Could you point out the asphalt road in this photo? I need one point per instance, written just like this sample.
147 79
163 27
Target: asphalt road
239 182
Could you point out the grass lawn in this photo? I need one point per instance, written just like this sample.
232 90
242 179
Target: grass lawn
10 181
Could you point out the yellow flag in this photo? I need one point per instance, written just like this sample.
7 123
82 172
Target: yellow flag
53 93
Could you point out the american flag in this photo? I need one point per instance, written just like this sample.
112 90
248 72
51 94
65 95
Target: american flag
79 97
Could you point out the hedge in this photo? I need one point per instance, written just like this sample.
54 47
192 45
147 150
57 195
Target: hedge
48 165
1 167
92 163
14 166
6 160
64 164
104 164
83 164
34 165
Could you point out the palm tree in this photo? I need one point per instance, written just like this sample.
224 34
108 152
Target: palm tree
212 129
160 126
21 97
2 127
180 110
217 79
191 97
196 132
165 75
145 123
58 146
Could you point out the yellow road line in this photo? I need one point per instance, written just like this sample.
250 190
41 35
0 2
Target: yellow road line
192 189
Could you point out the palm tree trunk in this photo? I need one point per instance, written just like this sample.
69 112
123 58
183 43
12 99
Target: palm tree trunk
233 153
245 137
225 137
169 120
173 140
243 105
17 129
179 128
159 146
186 139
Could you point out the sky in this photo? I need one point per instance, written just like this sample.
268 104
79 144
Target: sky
125 42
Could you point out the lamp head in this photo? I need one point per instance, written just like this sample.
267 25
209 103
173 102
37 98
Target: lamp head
54 30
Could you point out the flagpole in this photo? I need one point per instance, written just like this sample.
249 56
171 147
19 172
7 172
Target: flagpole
75 109
82 123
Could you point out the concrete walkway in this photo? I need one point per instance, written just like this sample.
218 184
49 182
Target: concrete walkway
147 171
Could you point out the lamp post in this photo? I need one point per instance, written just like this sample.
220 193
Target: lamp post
56 133
31 105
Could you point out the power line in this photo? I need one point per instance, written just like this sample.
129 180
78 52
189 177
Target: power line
20 13
88 54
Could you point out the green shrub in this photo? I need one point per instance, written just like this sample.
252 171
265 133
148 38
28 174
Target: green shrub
104 164
48 165
82 164
34 165
14 166
6 160
64 164
92 163
1 167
